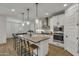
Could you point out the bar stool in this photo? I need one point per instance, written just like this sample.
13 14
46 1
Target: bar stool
18 45
24 48
32 47
16 41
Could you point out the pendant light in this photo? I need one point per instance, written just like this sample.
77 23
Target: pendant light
28 17
23 20
36 20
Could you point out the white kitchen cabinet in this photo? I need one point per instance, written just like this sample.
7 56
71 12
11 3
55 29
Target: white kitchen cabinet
57 20
71 29
54 20
13 28
2 29
61 19
51 39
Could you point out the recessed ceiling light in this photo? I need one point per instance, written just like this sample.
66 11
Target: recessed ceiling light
46 14
12 10
65 5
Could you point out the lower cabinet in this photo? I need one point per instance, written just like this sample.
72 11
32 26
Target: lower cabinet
51 39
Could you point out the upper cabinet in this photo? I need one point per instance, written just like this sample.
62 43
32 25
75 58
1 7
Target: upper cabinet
57 20
72 15
61 19
2 29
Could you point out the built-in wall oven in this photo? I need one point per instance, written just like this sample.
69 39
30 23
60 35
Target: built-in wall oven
58 33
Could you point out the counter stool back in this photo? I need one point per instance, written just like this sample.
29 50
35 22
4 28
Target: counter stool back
31 48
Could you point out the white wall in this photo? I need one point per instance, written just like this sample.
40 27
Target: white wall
2 29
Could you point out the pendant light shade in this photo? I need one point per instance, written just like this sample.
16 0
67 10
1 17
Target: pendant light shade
28 17
23 24
28 22
23 20
37 20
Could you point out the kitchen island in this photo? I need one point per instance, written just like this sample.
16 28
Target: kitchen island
40 40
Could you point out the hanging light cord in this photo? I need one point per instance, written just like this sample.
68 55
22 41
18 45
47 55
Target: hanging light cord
23 16
36 10
28 14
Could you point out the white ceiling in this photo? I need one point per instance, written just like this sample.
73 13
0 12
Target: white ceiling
5 9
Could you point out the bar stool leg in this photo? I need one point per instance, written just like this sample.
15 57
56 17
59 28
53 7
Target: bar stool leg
37 51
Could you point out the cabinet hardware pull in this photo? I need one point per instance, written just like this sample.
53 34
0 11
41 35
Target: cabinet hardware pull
66 36
77 38
77 24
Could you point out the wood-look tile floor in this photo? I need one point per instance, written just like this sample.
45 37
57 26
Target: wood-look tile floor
8 50
57 51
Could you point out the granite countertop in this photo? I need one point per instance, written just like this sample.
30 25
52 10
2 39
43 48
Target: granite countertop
38 38
35 38
58 32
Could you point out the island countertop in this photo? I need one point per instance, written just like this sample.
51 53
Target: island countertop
35 38
38 38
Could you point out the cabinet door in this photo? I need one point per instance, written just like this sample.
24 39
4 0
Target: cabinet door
71 41
61 19
51 39
71 30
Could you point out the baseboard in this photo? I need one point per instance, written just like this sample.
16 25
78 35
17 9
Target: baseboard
3 43
10 38
72 53
57 44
